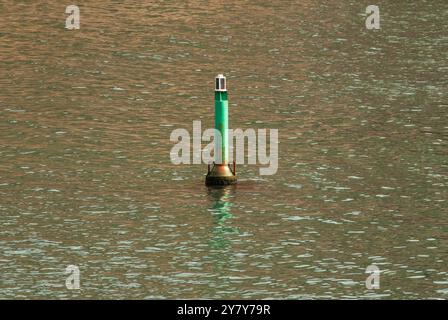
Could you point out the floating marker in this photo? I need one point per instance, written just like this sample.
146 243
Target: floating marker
221 173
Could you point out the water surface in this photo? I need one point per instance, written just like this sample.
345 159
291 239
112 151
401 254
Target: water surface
86 178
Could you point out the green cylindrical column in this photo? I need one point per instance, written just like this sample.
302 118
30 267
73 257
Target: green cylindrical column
222 125
221 173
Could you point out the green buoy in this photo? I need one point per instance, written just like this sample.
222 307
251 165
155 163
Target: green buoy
221 173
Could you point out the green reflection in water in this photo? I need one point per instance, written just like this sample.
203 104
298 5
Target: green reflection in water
221 199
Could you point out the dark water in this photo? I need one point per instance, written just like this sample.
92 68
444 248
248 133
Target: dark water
86 177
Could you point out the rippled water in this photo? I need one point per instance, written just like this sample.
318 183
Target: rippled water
86 178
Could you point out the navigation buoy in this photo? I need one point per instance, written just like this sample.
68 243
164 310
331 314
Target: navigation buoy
221 173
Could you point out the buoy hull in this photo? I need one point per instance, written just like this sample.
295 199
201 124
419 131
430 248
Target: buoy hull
219 181
220 175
